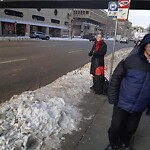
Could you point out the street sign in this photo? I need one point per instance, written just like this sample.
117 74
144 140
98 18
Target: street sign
112 9
123 9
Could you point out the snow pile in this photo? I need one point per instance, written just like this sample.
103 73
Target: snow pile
68 39
19 38
28 118
71 86
118 56
37 120
27 38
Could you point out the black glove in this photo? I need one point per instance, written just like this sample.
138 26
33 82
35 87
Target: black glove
148 112
90 54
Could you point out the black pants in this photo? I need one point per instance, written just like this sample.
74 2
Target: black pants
123 126
98 82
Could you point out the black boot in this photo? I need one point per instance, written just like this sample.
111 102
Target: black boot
109 147
125 147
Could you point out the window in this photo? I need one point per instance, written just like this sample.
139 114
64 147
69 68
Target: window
55 21
87 12
40 18
13 13
55 12
66 23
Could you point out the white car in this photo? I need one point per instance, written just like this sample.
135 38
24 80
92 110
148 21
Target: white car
39 35
124 40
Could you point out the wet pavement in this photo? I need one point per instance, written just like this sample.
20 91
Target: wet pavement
92 134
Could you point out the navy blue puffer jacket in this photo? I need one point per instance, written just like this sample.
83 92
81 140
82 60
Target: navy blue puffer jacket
129 86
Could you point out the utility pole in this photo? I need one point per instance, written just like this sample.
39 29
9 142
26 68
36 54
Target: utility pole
114 46
15 28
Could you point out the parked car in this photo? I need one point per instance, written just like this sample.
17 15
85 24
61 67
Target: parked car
86 36
39 35
124 40
92 38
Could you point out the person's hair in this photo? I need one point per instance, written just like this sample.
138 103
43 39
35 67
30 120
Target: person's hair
100 34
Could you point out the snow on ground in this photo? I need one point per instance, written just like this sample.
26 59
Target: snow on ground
68 39
119 55
19 38
27 38
39 119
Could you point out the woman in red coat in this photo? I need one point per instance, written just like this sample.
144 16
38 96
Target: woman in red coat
98 51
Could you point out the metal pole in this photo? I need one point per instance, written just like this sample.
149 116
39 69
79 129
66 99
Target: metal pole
114 46
15 28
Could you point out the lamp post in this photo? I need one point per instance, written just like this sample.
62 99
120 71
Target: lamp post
70 25
15 28
72 20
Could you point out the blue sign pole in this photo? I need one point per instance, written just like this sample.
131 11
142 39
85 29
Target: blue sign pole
112 12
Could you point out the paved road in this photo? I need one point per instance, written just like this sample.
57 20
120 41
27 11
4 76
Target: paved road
32 64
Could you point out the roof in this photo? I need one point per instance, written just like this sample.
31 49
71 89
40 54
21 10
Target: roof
92 4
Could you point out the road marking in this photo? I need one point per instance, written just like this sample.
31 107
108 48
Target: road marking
75 51
48 46
10 61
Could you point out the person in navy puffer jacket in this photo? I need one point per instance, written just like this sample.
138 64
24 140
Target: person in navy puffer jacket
129 91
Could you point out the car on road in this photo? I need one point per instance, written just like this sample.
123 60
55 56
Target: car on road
92 38
39 35
124 40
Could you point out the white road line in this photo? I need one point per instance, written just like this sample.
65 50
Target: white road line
10 61
75 51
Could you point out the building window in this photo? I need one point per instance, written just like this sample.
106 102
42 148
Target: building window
75 12
40 18
84 12
55 21
87 12
66 23
55 12
13 13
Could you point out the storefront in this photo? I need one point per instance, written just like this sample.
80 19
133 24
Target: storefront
8 29
20 29
54 32
34 28
13 29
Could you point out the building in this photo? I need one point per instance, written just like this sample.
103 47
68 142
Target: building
88 21
20 22
110 27
124 28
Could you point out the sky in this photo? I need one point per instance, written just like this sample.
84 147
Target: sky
139 17
46 114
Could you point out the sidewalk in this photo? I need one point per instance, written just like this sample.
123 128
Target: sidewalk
93 128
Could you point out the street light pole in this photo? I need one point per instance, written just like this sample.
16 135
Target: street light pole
114 46
15 28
